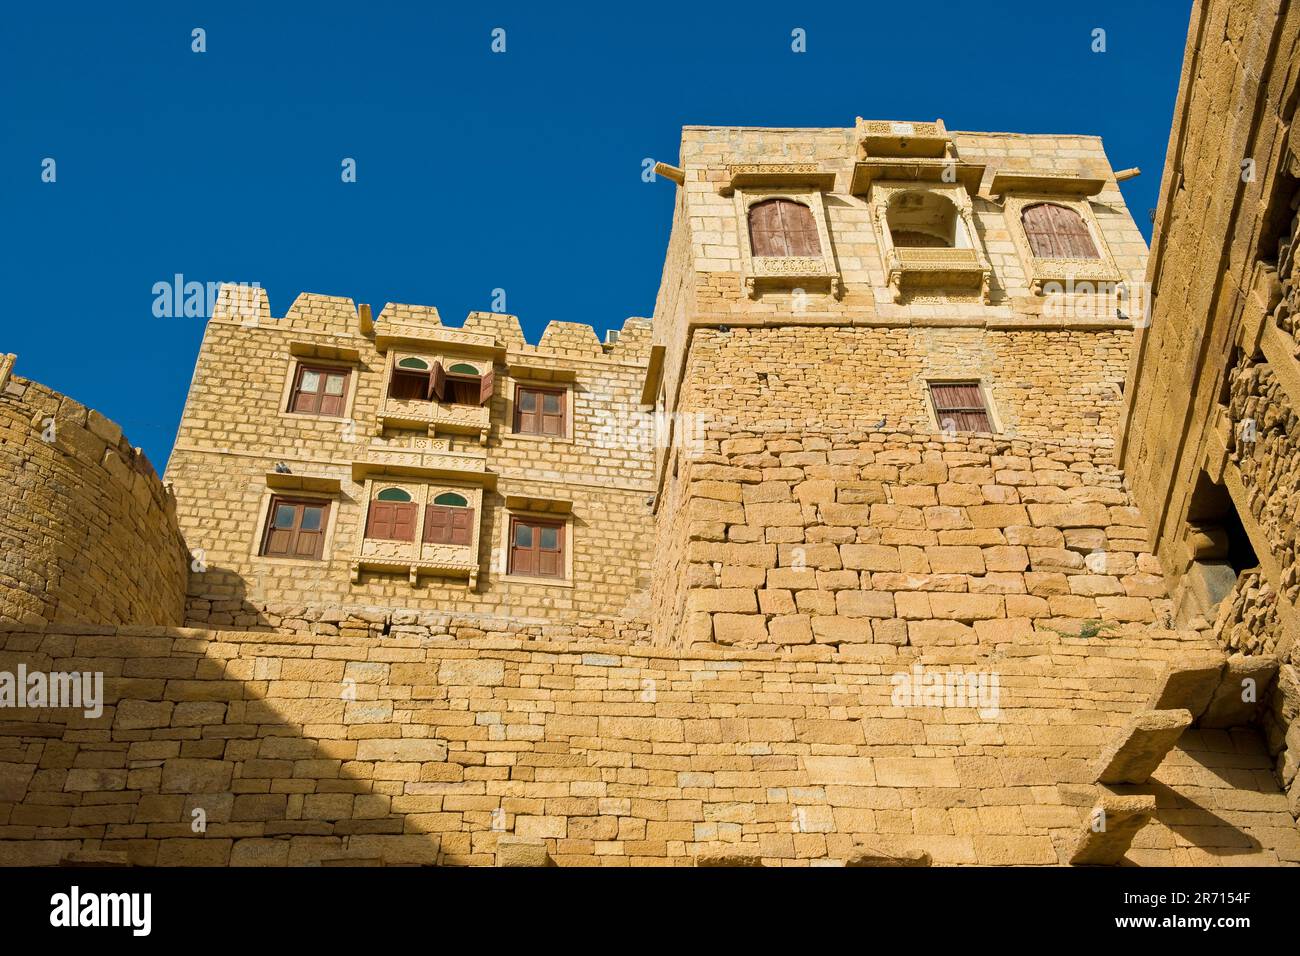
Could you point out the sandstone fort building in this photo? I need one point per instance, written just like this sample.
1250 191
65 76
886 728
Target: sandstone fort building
929 518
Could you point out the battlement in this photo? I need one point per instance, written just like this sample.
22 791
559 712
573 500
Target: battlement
249 307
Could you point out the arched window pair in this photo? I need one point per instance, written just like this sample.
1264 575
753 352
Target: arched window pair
783 227
1057 232
461 384
448 519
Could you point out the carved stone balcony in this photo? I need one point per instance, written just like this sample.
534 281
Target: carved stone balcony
436 416
414 558
791 267
1071 275
937 268
424 458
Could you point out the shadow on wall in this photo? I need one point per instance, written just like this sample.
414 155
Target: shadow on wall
298 749
189 764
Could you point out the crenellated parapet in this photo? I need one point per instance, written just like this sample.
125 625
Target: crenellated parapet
249 307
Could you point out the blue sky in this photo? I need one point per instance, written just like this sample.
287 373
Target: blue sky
475 170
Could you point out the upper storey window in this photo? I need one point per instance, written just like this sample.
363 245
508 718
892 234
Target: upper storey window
925 220
295 529
411 379
782 227
1057 232
448 519
540 411
960 407
319 390
928 240
392 516
460 384
536 548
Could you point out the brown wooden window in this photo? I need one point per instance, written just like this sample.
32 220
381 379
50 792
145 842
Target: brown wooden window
1055 232
448 524
295 528
540 411
536 548
782 227
391 516
960 406
319 390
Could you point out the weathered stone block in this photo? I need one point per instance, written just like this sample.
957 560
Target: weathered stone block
1113 823
1141 746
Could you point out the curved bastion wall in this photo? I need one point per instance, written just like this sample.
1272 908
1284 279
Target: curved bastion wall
88 531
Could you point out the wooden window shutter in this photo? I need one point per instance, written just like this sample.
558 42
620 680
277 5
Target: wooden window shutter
1037 221
1073 233
334 389
523 551
280 534
765 235
404 521
462 525
444 524
310 541
306 401
379 523
1056 232
391 520
486 386
527 410
960 404
552 412
550 554
438 383
536 548
437 524
800 230
295 529
782 227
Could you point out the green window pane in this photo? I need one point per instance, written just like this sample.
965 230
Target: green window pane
392 494
523 536
451 500
284 516
550 538
460 368
413 363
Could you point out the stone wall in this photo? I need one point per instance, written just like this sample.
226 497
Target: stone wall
902 538
1226 202
310 749
87 531
373 621
1267 456
1041 383
1210 441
